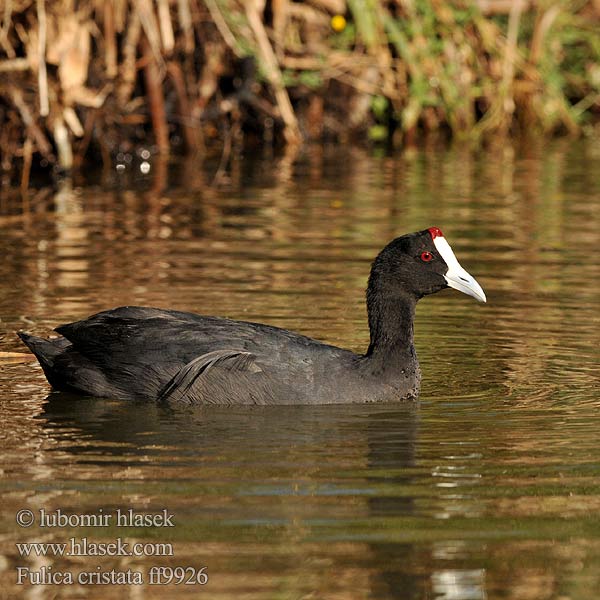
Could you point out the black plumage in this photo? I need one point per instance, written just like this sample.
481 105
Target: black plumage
165 355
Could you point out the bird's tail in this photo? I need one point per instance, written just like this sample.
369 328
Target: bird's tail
46 351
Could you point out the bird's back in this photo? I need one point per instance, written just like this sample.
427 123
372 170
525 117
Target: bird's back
137 352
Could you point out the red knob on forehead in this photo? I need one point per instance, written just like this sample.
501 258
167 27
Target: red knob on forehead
435 232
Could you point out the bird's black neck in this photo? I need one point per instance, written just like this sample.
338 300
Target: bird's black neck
391 324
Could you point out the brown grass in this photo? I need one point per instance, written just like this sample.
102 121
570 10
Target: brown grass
87 78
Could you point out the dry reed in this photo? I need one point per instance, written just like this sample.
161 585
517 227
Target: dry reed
81 78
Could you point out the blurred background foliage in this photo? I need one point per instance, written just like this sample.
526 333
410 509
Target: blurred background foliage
82 79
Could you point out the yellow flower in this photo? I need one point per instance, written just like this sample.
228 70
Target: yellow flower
338 23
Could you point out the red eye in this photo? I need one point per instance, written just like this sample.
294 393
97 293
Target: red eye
426 257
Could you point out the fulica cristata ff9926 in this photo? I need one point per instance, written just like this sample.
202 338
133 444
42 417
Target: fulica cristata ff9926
165 355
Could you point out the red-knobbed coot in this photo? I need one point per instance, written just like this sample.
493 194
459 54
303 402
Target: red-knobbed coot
165 355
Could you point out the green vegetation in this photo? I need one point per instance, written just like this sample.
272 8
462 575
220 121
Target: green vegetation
91 82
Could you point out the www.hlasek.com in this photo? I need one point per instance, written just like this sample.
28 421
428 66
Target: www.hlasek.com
83 546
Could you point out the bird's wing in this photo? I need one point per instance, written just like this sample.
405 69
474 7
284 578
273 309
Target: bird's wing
219 377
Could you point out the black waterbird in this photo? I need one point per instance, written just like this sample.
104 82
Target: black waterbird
165 355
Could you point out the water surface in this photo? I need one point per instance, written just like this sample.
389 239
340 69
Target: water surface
489 487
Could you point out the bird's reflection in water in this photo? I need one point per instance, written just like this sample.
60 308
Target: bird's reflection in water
263 447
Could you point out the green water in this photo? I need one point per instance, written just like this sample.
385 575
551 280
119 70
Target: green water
487 488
